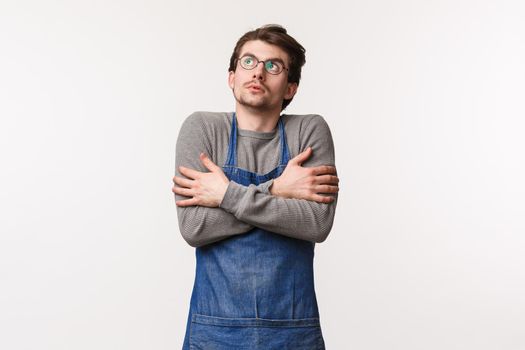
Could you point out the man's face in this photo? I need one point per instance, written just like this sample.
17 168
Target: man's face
256 88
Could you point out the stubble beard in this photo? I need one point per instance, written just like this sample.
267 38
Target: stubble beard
259 103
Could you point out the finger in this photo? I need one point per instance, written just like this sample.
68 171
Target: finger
183 182
301 157
211 166
324 170
187 202
326 179
322 199
190 173
186 192
326 189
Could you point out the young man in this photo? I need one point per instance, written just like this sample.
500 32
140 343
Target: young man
255 190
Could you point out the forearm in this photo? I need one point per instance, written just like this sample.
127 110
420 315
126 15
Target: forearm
204 225
297 218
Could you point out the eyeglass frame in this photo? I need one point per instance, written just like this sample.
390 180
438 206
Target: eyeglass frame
278 60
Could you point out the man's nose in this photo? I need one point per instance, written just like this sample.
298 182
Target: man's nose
259 71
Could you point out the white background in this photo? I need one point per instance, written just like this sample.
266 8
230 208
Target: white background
425 100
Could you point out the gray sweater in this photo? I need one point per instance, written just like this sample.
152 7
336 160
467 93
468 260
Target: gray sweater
246 207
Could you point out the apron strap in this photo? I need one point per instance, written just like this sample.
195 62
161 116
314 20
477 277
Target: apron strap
231 159
285 152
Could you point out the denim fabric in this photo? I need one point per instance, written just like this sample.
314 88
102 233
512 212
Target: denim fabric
254 290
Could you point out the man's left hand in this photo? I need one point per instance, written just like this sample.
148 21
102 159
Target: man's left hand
205 189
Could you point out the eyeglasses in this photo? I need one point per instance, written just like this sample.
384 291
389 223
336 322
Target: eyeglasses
249 62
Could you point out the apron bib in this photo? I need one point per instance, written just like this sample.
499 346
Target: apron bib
254 290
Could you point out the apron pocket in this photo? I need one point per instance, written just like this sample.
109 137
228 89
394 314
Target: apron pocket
218 333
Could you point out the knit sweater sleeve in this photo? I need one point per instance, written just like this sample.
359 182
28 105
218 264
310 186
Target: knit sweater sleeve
203 225
297 218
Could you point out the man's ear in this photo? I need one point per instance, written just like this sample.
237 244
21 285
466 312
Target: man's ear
231 79
291 89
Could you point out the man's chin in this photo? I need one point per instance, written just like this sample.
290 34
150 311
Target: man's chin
258 104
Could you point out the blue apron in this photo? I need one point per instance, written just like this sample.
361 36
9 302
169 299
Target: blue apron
254 290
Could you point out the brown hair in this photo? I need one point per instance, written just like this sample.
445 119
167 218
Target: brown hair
275 34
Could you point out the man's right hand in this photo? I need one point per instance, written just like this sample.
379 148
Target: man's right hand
306 183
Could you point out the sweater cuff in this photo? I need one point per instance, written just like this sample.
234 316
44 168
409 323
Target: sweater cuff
232 197
265 187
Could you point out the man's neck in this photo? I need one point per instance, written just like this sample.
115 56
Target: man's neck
256 120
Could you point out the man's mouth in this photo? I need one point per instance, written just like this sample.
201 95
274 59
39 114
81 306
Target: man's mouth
255 87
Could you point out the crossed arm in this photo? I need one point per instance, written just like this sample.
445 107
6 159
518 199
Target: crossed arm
300 203
208 189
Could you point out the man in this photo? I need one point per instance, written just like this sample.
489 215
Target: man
255 190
